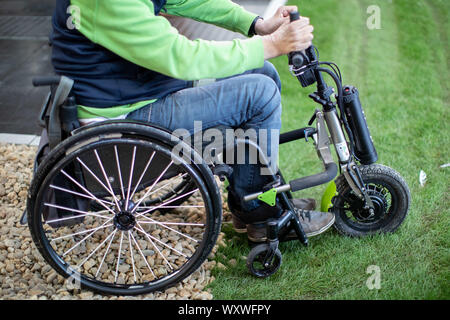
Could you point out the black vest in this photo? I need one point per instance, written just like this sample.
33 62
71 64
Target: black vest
102 78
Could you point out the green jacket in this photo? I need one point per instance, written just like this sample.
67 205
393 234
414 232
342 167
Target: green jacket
130 29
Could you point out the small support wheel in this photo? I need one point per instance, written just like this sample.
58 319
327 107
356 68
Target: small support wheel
262 261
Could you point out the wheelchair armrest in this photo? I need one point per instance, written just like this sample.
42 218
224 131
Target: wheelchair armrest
46 81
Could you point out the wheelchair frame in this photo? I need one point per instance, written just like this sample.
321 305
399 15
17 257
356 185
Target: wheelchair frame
65 138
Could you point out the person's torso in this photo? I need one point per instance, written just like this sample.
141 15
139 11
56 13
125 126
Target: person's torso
102 78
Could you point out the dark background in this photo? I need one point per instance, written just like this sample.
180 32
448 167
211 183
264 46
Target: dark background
24 53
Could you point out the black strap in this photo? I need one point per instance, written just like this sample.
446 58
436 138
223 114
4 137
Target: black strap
252 31
54 125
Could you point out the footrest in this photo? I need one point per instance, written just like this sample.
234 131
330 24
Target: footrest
315 180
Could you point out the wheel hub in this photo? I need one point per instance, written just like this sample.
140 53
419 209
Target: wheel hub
379 204
124 221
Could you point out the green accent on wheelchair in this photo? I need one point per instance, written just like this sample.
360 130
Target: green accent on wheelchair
269 197
329 193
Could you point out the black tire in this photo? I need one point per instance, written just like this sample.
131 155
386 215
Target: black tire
391 197
151 277
255 261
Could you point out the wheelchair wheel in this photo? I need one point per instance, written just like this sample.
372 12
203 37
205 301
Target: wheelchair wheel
130 246
260 264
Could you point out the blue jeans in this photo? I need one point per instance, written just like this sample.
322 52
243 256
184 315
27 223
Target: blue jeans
249 101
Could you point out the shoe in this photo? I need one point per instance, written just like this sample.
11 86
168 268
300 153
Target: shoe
304 204
313 224
238 225
261 214
241 220
235 209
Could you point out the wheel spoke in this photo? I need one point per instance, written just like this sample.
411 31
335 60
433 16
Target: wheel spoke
80 194
81 232
118 257
143 173
166 245
106 178
164 186
150 189
161 224
96 178
171 229
85 238
119 171
106 253
171 207
95 250
172 223
133 158
132 256
82 213
143 257
153 244
164 203
87 191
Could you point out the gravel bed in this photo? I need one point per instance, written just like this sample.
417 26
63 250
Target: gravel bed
23 272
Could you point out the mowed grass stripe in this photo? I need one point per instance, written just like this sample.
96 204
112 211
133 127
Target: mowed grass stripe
402 93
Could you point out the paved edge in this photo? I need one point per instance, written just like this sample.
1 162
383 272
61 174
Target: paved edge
27 139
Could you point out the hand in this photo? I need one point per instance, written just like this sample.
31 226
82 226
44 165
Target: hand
281 16
293 36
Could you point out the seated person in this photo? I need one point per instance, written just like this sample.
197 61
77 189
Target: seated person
128 62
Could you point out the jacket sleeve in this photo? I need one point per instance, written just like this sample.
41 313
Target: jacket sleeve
130 29
222 13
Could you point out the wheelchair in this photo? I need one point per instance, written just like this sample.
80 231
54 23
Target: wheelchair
113 207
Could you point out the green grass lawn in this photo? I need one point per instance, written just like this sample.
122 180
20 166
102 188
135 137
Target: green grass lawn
401 72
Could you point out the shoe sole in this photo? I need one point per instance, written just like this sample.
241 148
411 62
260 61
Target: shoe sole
238 225
311 234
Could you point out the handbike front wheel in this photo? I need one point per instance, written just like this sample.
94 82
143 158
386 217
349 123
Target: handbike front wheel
389 193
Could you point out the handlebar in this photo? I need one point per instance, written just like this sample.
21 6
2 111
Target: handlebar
46 81
296 57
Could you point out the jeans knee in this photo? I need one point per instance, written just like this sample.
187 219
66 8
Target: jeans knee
267 97
270 71
270 91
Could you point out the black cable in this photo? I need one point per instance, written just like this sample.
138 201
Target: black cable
333 66
317 52
339 70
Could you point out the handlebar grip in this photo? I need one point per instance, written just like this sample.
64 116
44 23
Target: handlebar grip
46 81
294 15
296 58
